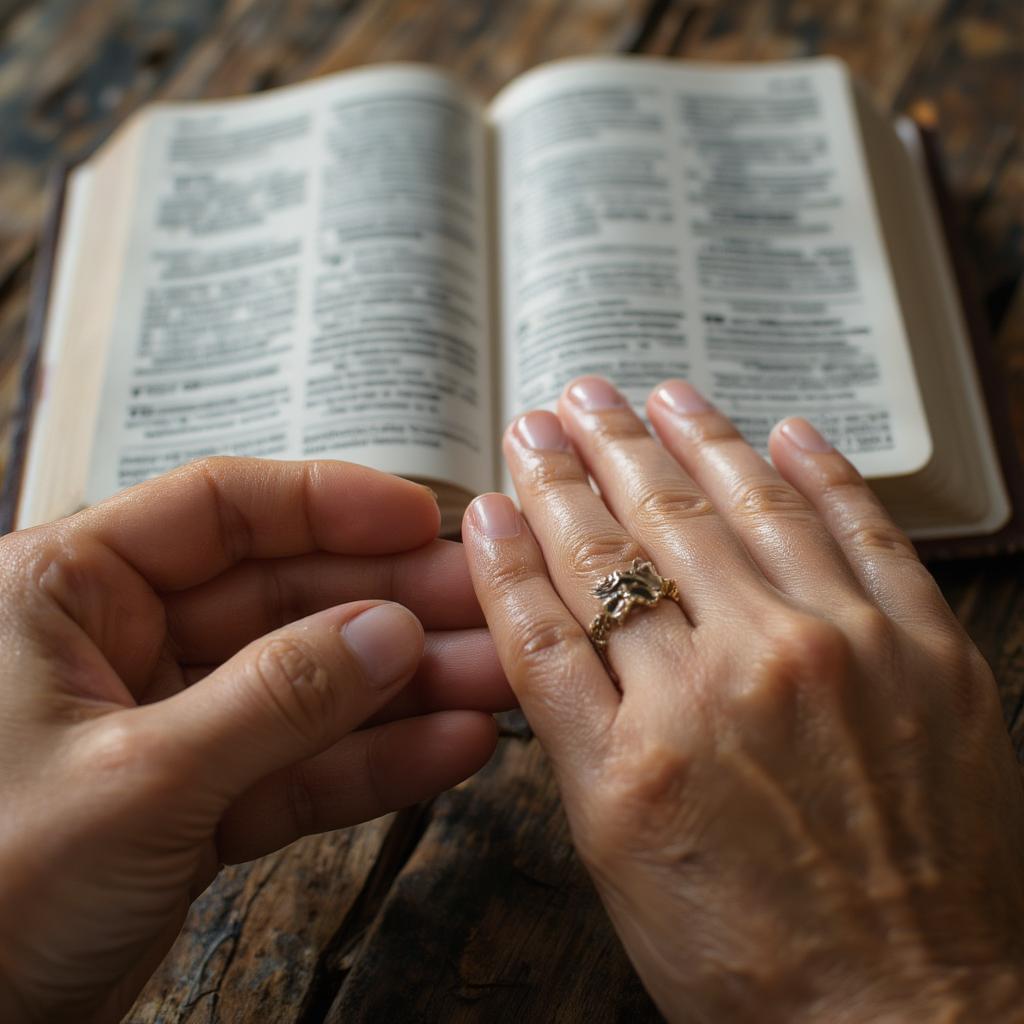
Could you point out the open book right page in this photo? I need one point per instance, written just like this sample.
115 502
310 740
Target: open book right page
713 222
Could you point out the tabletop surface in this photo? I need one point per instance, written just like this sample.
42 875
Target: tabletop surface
474 907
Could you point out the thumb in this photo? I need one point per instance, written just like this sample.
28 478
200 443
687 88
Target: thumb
292 694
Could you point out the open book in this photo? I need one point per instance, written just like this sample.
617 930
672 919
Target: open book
373 267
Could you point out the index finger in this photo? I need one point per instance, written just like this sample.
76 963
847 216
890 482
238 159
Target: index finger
261 595
190 525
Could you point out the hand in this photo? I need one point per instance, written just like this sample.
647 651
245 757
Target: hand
200 671
802 804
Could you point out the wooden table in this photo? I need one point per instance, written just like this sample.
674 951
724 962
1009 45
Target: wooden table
474 907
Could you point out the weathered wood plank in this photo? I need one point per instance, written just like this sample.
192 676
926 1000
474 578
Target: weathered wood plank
971 72
493 918
252 943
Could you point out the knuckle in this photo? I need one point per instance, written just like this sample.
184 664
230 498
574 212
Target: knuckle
545 663
507 575
713 430
544 472
63 566
60 569
803 650
36 578
545 643
644 799
593 556
234 530
656 507
657 775
214 466
115 748
613 427
756 498
124 759
879 536
840 482
291 678
861 522
873 629
40 552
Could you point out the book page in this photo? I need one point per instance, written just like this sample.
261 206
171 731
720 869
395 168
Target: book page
307 276
713 222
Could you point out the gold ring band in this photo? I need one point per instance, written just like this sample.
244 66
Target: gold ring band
620 592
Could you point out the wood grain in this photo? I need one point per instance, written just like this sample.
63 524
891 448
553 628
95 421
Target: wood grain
474 908
493 918
253 941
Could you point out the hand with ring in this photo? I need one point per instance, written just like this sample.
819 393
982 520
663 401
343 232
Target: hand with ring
792 784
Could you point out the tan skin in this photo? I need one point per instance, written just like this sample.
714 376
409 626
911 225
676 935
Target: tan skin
799 803
185 683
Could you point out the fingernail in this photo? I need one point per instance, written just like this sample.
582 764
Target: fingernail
542 432
594 394
804 436
496 516
386 642
683 398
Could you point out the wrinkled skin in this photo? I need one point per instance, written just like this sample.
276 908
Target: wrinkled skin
801 804
186 683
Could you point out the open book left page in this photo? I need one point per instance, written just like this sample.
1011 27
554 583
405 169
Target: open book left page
306 275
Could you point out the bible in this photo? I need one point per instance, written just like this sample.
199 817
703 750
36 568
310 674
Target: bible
373 266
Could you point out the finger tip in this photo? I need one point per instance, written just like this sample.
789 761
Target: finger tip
424 509
509 437
798 435
463 740
479 734
654 406
432 509
471 522
581 382
394 635
377 512
681 399
566 402
481 723
493 516
775 437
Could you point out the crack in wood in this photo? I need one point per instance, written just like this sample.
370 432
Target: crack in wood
231 934
656 10
340 954
686 28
